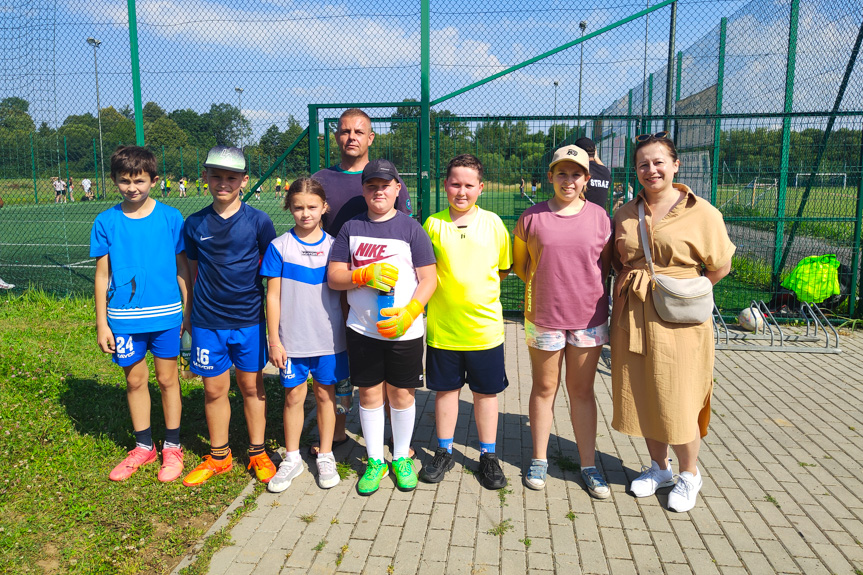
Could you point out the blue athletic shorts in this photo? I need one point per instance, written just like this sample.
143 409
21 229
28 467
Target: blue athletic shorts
483 370
326 369
214 350
132 348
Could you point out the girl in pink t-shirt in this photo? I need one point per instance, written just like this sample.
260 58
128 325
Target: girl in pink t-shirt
562 253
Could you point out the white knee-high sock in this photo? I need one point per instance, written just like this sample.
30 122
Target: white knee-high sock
372 422
402 421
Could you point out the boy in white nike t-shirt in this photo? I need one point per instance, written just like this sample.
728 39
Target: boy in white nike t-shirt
375 252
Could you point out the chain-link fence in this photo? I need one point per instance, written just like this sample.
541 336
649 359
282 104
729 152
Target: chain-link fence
763 99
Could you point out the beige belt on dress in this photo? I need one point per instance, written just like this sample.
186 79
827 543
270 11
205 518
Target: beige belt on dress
634 281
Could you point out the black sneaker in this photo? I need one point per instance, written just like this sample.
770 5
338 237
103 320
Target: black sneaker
440 464
491 475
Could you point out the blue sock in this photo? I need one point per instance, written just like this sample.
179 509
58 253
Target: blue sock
445 443
486 447
144 438
172 438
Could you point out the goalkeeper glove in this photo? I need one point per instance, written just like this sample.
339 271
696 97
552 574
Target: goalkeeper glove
400 319
379 276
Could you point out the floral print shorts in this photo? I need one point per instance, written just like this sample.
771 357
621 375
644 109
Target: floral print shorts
556 339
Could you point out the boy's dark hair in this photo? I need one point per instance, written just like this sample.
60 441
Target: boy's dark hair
133 160
465 161
304 186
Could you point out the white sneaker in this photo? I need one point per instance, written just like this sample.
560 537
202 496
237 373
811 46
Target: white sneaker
4 285
288 470
328 475
682 497
651 479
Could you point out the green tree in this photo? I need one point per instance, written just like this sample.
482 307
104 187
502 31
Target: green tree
152 112
227 125
166 132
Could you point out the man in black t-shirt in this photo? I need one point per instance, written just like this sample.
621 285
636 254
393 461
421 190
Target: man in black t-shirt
600 176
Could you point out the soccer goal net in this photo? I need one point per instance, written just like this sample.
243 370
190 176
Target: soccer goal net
822 180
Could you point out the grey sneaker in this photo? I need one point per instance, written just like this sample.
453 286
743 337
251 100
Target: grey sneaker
4 285
595 482
288 470
328 476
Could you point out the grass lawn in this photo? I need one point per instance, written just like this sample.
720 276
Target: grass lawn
64 424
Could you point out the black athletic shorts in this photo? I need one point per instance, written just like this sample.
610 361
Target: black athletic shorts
372 361
483 370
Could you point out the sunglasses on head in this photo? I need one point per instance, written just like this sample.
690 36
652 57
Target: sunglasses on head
647 137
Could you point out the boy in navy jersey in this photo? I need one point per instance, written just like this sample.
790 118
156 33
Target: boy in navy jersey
224 245
141 285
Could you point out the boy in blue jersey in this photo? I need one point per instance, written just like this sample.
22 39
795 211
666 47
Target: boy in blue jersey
224 245
141 285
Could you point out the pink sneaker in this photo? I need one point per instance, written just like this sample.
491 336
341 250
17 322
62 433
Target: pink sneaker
172 464
136 458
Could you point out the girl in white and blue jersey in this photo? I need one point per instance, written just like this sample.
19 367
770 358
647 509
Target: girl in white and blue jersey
305 328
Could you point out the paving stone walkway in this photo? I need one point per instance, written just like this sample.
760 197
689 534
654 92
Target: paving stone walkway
782 490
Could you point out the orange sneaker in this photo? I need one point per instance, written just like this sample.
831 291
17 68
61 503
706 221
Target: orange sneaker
135 459
263 466
172 464
208 468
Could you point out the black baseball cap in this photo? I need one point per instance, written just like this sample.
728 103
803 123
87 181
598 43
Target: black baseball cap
380 168
587 145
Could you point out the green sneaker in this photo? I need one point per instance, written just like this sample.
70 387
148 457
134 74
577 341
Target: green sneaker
371 479
406 476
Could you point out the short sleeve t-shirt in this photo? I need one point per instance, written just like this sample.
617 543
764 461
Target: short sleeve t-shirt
345 197
143 294
564 288
310 323
465 312
228 292
399 241
597 185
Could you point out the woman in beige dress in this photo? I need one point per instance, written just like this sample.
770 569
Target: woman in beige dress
662 373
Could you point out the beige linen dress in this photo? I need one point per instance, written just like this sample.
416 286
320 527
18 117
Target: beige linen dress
662 373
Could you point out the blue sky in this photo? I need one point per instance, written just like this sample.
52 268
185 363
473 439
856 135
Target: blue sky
286 54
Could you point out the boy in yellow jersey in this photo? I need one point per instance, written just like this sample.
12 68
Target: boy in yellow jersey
465 318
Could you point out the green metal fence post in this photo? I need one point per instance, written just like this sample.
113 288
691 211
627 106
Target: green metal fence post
96 169
786 145
198 172
855 252
182 172
717 127
679 75
669 70
314 148
164 172
136 73
33 167
424 191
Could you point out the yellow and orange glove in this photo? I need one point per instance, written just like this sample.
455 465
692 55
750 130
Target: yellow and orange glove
400 319
381 276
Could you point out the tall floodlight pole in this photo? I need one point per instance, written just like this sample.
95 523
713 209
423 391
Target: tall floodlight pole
239 92
582 26
553 125
95 44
